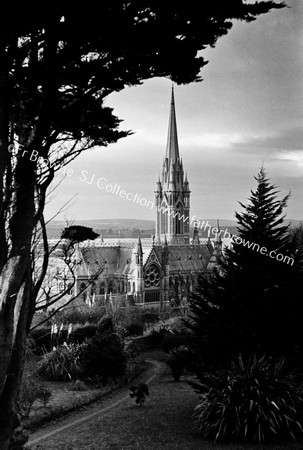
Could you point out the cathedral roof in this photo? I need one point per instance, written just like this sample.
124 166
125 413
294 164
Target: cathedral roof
120 260
116 259
186 257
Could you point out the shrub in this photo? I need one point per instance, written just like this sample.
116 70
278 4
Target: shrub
45 396
251 402
171 341
61 364
32 389
82 332
134 329
170 333
103 357
130 318
18 439
156 335
106 325
122 332
179 360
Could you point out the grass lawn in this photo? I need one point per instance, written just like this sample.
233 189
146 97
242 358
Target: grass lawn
164 422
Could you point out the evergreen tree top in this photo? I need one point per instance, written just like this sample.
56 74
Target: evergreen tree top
261 222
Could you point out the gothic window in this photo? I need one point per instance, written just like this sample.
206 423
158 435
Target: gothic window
82 289
122 286
152 276
134 287
152 296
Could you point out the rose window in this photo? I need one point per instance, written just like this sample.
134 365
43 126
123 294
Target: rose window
152 276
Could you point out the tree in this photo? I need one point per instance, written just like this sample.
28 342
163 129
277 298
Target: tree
255 305
60 277
58 65
78 233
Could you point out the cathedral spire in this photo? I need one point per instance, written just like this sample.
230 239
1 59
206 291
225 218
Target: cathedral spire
172 147
218 239
139 246
172 195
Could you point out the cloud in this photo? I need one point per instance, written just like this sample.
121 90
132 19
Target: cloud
293 156
213 140
285 142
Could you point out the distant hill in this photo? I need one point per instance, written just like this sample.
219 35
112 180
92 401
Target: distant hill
123 228
102 223
129 228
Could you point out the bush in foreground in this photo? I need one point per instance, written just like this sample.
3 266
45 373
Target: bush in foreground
252 402
61 364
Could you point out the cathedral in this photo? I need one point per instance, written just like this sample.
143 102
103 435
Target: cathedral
157 272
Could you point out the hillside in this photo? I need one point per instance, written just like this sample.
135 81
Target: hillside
129 228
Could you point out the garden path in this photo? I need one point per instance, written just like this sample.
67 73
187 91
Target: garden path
115 422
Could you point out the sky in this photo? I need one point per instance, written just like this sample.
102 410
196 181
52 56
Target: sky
247 112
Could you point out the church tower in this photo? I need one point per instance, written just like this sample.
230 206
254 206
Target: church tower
172 195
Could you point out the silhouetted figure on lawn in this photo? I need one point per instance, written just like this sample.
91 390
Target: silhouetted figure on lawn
139 392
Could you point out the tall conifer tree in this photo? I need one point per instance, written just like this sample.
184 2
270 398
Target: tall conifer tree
253 304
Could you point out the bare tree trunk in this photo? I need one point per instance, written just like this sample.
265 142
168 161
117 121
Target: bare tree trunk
15 294
15 368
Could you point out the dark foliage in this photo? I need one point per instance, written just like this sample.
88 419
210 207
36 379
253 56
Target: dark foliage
135 329
255 304
156 337
250 402
139 393
103 357
78 233
19 439
106 325
32 389
171 341
179 360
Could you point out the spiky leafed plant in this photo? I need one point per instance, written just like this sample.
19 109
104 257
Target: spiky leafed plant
251 402
62 363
